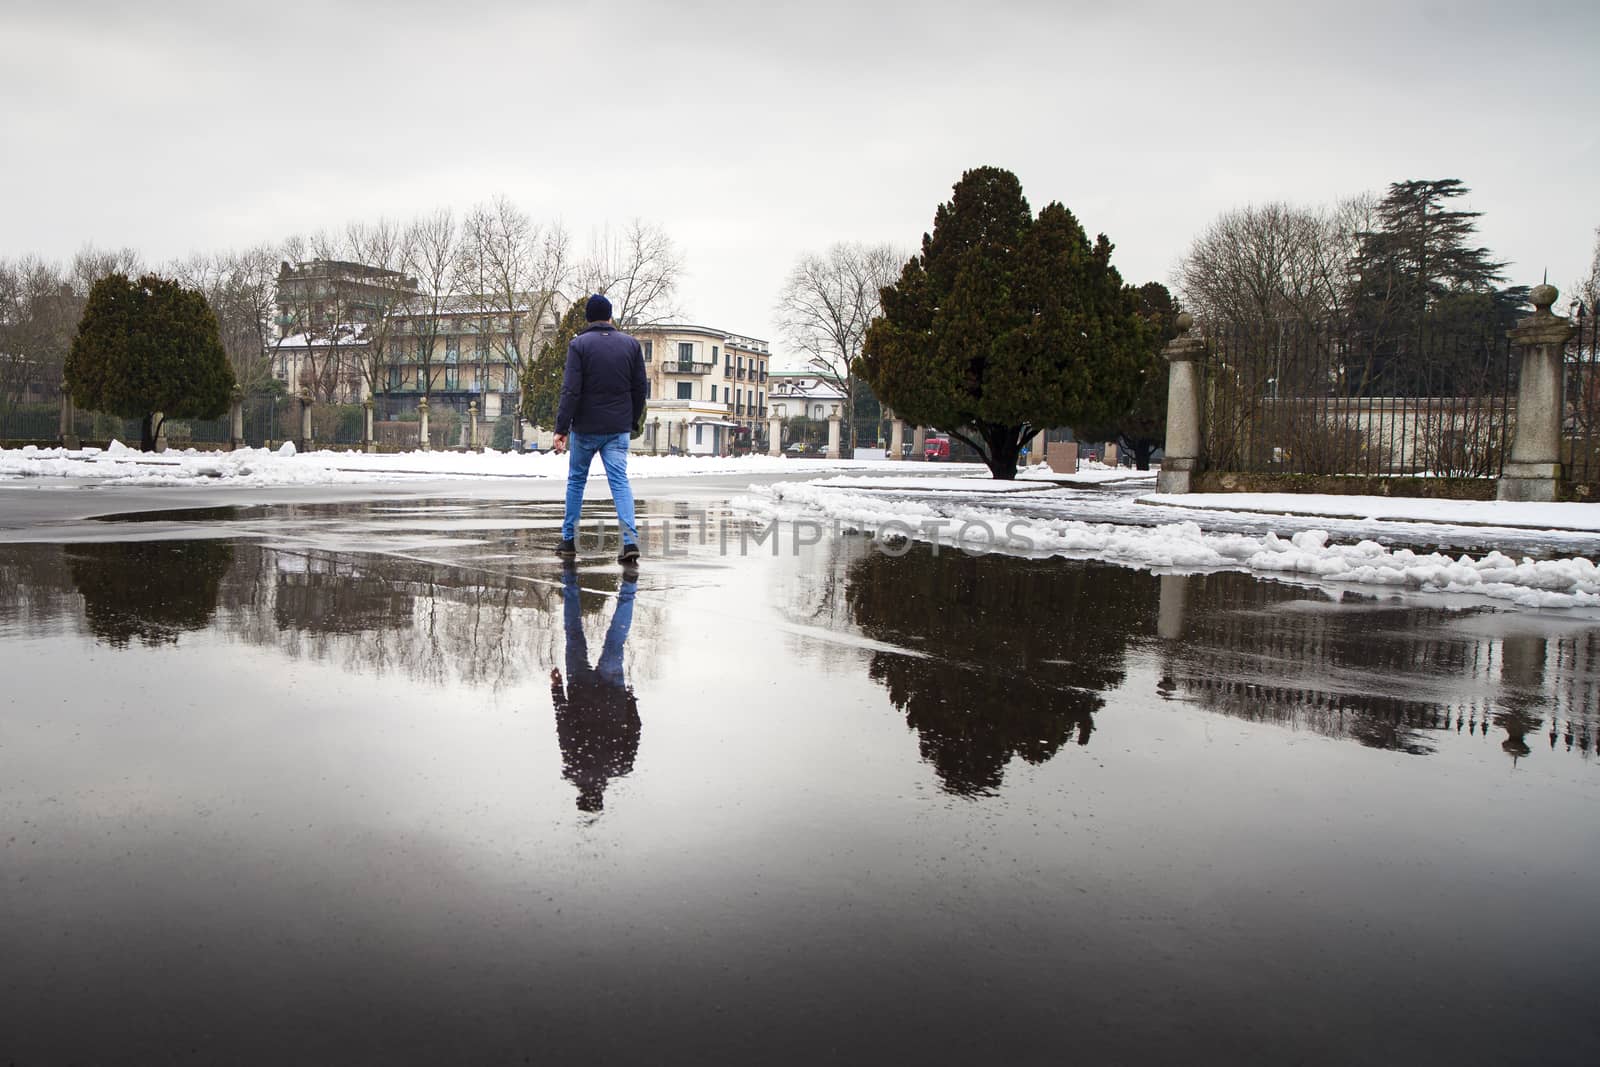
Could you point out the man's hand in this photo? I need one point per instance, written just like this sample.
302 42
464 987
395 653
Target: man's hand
558 443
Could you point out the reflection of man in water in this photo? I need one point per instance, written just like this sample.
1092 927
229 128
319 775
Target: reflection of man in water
597 717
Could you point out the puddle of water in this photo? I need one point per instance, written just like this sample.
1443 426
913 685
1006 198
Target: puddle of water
456 802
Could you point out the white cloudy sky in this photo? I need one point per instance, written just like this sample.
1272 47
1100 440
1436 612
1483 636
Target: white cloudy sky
755 131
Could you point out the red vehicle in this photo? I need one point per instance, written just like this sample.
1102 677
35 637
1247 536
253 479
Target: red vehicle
936 448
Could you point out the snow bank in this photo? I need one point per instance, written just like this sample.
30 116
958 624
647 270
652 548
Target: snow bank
254 467
1558 583
1510 514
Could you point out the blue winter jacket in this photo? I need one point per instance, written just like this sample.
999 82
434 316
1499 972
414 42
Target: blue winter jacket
603 388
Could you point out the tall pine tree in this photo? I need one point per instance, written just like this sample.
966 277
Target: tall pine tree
1422 286
1005 323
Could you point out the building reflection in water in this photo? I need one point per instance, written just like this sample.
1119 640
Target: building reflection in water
1018 652
597 714
1387 675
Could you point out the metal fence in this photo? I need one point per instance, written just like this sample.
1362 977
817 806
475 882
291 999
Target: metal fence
1299 400
1580 410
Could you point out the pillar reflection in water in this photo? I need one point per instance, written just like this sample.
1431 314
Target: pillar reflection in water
597 714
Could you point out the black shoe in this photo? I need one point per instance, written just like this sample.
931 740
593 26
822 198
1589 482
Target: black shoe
629 554
567 547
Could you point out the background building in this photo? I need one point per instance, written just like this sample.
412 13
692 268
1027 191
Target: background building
705 384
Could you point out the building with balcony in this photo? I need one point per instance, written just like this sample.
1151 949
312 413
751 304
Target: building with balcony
704 385
804 394
458 351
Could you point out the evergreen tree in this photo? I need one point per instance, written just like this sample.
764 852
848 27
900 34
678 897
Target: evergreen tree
541 386
1005 323
145 347
1421 286
1142 428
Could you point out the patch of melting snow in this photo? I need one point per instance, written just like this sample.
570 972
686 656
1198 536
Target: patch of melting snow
1553 583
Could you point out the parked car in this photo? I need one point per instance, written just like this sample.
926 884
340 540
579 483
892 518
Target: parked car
936 448
797 449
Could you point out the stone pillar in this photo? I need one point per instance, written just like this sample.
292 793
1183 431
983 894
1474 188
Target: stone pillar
655 437
834 422
304 444
422 424
1036 449
472 426
1533 469
897 437
919 444
69 431
236 421
158 421
1183 355
368 441
774 436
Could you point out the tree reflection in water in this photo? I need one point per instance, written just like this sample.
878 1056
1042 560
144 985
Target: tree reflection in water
1019 652
149 590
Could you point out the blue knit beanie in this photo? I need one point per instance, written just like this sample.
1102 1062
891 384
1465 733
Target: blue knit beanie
598 309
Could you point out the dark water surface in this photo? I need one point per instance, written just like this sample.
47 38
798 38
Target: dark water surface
382 783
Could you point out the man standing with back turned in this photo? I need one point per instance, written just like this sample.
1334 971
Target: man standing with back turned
602 398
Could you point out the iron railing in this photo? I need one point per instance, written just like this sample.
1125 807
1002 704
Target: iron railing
1301 400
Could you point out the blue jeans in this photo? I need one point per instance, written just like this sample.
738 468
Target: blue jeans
613 449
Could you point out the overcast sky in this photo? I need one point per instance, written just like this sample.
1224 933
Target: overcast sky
756 131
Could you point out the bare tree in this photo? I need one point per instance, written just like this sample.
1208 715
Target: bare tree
1273 263
1587 289
384 245
826 305
433 257
638 270
38 313
517 268
241 287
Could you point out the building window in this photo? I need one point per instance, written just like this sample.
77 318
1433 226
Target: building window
483 350
452 376
685 352
715 355
697 429
685 390
713 394
394 379
816 412
452 350
647 390
649 349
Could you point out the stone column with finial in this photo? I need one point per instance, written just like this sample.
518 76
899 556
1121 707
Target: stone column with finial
472 423
835 421
422 424
236 420
1182 448
774 436
897 437
1533 470
368 443
304 444
919 444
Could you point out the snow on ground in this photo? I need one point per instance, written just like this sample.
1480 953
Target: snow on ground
1089 472
973 483
1510 514
1308 555
259 467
